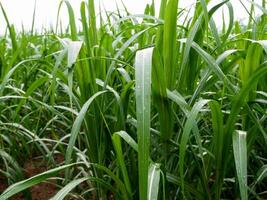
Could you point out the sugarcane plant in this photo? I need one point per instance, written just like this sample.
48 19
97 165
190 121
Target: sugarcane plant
154 106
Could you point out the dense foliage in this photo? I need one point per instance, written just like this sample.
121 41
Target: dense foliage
140 106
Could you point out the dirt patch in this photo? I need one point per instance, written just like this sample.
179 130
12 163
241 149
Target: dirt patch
3 184
42 191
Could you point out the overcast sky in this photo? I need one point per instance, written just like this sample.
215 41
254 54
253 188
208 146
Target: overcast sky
20 11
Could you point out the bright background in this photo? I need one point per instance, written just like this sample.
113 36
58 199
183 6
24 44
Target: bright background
21 11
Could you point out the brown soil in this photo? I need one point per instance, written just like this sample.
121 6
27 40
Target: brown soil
2 184
42 191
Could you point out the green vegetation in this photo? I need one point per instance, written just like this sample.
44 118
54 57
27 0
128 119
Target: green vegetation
140 106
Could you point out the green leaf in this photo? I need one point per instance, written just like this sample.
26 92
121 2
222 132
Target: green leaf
191 118
238 102
118 182
212 65
217 142
76 128
117 145
10 73
22 185
153 181
74 33
240 154
11 29
261 174
170 43
143 65
61 194
128 139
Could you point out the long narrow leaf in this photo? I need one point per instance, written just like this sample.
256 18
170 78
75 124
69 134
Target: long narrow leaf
143 63
22 185
240 154
153 182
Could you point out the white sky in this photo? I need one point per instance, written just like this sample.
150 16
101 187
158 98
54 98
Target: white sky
20 11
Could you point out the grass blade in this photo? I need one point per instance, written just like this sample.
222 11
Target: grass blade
185 136
117 145
261 174
65 190
11 30
128 139
22 185
76 128
143 65
240 154
170 43
153 181
218 137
